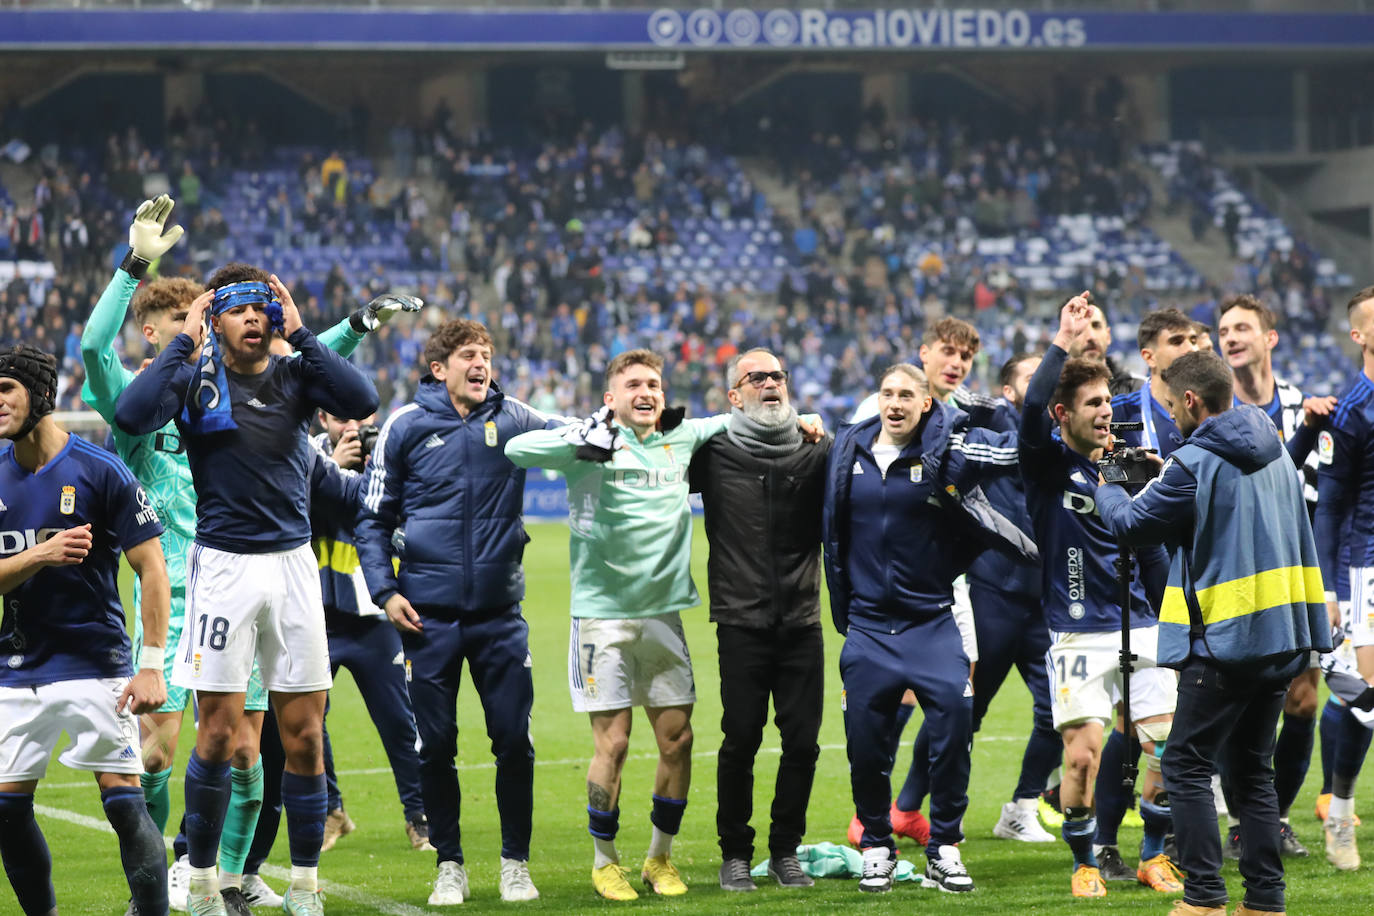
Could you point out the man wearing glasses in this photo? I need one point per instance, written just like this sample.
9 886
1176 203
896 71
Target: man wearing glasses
763 488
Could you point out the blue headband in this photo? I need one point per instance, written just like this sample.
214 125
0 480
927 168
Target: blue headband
246 292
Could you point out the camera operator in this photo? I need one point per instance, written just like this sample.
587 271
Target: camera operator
1083 605
360 637
1243 608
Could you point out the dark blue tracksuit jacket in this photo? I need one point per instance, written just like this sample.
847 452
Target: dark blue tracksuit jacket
441 497
894 543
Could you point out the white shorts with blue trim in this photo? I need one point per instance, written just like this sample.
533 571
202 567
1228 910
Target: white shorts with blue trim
32 720
241 606
618 663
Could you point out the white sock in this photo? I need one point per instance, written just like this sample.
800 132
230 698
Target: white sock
605 852
203 878
229 880
1232 821
305 878
1341 807
1028 805
1097 849
660 844
1283 818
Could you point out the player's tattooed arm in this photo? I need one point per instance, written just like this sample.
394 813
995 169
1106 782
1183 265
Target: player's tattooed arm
598 797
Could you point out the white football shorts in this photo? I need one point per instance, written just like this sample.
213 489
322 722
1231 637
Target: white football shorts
617 664
1085 677
240 606
101 740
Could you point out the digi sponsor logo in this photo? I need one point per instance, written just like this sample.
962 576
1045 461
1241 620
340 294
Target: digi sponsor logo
649 478
1080 503
12 542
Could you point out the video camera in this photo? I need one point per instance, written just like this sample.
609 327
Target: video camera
1128 466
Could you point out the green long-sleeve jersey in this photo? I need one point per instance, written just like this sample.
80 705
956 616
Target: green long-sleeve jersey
158 459
631 540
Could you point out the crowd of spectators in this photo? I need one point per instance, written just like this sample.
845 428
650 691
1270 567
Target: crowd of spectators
888 237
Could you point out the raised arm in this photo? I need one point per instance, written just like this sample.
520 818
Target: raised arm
106 376
157 394
542 448
332 382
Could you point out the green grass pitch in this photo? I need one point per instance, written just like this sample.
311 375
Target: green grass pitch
381 874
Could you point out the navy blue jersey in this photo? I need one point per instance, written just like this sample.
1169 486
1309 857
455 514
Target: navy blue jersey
252 483
67 622
1077 552
1345 483
1160 430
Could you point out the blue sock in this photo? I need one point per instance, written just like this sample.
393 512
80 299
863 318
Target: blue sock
1079 827
667 814
207 798
25 853
1292 756
140 847
603 825
1351 747
917 783
1157 823
1329 728
305 800
179 844
1112 798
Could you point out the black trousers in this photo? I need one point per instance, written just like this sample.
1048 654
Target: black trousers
789 666
1228 720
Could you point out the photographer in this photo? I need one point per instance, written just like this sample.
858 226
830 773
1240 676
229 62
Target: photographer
360 638
1243 608
1083 605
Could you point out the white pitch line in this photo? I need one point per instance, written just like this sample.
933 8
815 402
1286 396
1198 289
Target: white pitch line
568 761
332 888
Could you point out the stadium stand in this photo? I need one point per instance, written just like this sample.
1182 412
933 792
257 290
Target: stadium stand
574 250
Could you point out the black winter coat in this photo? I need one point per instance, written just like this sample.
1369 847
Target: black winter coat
763 521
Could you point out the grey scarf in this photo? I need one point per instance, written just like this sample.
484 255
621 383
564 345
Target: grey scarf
762 440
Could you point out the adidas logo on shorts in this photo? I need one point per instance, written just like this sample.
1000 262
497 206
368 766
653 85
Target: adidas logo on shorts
128 753
254 402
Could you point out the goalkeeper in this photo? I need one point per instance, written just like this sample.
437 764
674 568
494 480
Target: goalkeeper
158 461
631 556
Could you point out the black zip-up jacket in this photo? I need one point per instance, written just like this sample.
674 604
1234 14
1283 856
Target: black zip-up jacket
763 520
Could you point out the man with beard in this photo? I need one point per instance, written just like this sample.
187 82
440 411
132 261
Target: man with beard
764 576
